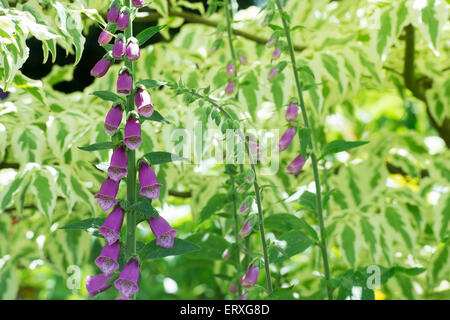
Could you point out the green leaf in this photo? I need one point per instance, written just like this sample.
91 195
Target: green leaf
97 146
348 239
28 145
286 222
340 145
149 83
156 116
44 188
9 283
92 223
146 34
109 96
290 243
212 245
144 209
440 264
308 201
154 251
215 203
159 157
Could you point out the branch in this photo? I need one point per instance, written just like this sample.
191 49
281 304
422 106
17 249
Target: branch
196 18
418 86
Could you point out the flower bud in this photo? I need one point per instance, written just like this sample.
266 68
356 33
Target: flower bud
124 82
133 51
138 3
164 233
101 68
276 53
123 20
143 102
230 87
149 184
127 284
296 165
273 73
271 42
113 119
226 254
246 230
243 59
119 48
291 112
250 278
132 137
105 37
286 139
113 14
231 70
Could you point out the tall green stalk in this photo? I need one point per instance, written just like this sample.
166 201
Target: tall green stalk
131 165
255 183
314 161
236 230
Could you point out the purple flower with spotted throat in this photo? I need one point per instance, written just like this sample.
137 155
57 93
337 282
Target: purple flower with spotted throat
107 260
106 197
149 184
118 167
112 225
127 284
165 234
132 137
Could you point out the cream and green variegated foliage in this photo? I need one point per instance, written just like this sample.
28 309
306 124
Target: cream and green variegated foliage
351 69
53 22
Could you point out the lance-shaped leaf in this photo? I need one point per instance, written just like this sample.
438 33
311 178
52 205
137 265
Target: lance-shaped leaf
108 96
340 145
215 203
143 208
156 116
146 34
150 83
86 224
153 251
97 146
159 157
289 244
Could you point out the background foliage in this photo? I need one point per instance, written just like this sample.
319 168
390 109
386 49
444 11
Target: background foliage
376 71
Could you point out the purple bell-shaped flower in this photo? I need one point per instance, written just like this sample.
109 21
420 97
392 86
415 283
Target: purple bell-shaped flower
107 260
106 197
127 284
132 137
118 166
165 235
149 184
112 225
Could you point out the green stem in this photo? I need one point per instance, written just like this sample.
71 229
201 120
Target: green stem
236 232
131 165
323 240
255 183
256 187
229 32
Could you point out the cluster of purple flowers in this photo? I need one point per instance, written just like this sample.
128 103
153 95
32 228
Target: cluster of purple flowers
296 165
107 261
